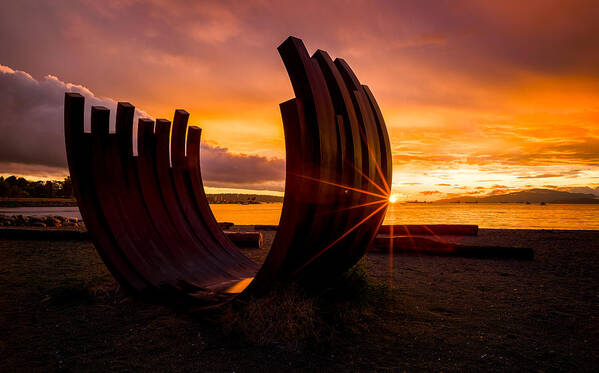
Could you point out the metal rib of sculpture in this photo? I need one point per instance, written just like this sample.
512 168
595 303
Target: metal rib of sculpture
149 218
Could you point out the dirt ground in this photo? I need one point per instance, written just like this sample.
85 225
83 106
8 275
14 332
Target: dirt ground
36 202
60 311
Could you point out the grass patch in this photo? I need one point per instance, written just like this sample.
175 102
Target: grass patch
292 319
71 290
285 316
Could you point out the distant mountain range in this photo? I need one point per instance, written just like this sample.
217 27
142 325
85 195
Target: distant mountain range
531 196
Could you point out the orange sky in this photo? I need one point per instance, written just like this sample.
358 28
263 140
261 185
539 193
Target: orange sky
479 97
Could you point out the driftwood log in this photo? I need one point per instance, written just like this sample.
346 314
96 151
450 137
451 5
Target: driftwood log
411 245
246 239
265 227
225 225
429 230
412 229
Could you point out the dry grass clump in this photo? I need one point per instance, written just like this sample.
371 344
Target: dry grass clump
285 316
296 320
350 305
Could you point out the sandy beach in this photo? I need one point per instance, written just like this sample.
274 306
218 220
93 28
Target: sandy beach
61 311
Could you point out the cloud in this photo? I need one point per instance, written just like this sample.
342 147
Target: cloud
459 85
443 184
429 192
32 141
221 168
500 191
32 119
570 173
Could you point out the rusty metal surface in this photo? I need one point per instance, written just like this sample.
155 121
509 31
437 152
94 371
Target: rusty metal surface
149 218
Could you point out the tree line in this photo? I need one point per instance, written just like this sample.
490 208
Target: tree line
13 186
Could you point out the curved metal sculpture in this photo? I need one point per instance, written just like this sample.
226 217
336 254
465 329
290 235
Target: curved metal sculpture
150 220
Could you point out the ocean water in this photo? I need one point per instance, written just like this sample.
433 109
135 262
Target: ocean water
498 215
485 215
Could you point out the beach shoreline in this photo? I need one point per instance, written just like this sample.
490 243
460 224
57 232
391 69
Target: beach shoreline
449 314
495 216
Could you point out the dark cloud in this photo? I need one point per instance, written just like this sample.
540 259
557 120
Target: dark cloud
221 168
197 41
32 117
560 151
32 141
429 192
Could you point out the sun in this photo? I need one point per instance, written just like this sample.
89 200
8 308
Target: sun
393 198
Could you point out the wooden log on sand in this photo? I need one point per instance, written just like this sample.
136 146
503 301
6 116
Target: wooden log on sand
424 246
225 225
246 239
413 229
265 227
430 229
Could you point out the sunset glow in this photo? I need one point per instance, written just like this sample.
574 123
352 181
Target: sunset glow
479 97
273 186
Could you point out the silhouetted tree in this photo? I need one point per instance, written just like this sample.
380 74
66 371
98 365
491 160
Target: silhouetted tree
13 186
11 180
67 187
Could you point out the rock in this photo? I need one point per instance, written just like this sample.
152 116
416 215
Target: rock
52 221
35 220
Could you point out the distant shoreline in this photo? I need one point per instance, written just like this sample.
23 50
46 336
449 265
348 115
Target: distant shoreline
573 202
7 202
485 215
71 202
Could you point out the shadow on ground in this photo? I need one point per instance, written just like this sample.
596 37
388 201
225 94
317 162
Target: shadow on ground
60 310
